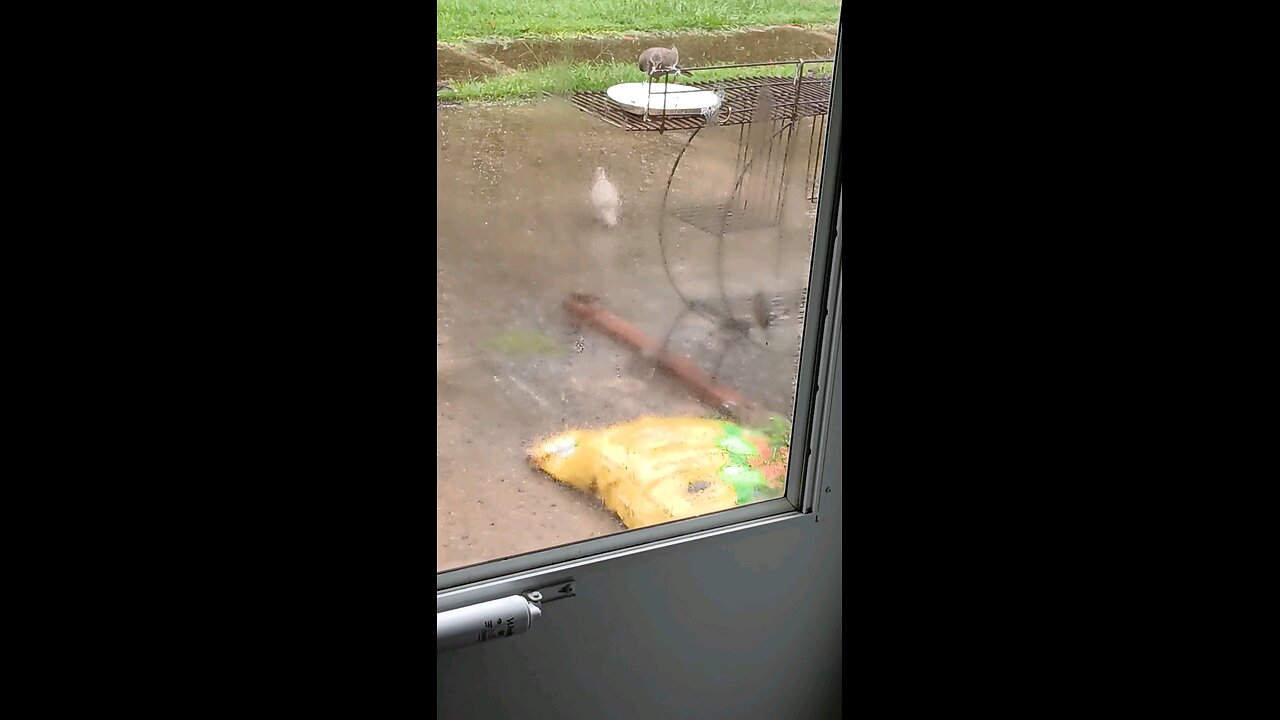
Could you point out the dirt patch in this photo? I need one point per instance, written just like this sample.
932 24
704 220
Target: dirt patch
764 45
459 66
825 30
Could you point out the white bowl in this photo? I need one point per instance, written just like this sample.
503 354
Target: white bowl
679 99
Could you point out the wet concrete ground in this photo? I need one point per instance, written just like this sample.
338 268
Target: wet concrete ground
516 233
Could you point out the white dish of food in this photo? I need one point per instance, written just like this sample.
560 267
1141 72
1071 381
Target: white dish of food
668 98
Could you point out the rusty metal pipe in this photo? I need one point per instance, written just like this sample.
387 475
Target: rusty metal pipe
588 310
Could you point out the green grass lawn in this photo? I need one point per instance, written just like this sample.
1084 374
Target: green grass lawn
563 79
478 19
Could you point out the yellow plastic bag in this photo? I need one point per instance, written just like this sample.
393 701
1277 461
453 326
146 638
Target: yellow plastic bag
656 470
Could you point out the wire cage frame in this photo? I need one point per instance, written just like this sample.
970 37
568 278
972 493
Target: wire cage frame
764 317
793 98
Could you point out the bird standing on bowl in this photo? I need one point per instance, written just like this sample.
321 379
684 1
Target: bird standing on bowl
657 61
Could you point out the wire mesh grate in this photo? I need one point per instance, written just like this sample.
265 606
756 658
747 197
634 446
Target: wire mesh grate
739 106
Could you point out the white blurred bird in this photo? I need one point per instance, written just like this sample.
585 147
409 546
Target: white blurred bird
605 198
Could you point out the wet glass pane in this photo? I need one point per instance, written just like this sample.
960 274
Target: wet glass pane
618 310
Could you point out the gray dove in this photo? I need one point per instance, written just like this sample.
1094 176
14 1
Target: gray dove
661 61
605 198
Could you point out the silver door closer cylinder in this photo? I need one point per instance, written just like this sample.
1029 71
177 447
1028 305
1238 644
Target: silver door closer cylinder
496 619
484 622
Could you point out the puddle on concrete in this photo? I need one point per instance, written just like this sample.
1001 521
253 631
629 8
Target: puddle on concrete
453 65
517 233
767 45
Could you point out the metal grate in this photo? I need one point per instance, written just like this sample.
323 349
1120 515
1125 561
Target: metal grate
716 219
739 104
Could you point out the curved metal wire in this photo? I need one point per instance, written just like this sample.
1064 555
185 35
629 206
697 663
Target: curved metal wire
662 247
731 330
